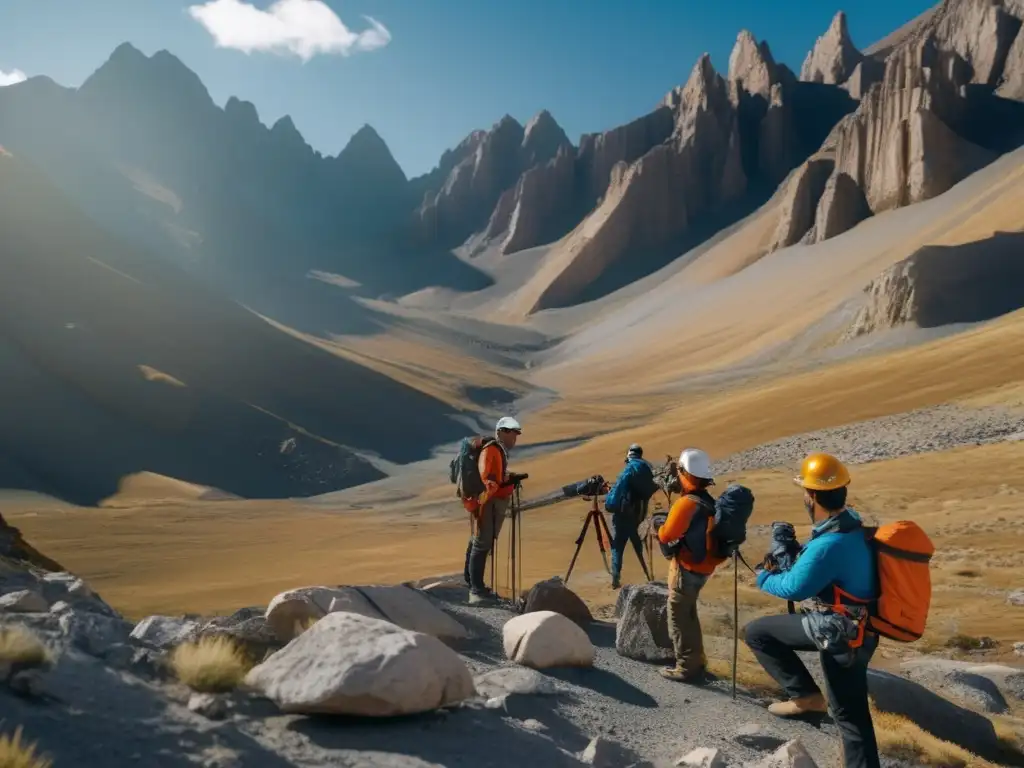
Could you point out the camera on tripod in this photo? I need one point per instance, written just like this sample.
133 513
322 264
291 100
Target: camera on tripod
592 486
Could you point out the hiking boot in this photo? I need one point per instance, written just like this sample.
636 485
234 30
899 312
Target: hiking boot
478 591
804 705
681 675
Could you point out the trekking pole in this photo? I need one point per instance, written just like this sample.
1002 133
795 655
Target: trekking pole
735 618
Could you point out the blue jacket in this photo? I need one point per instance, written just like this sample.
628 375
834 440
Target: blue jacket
629 485
836 554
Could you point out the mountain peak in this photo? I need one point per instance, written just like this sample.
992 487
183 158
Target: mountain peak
128 74
367 156
542 139
751 65
834 56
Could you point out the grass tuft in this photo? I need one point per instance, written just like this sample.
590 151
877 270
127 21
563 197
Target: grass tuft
212 665
15 754
968 643
21 648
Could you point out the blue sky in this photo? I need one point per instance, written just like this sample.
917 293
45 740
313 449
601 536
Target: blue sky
433 70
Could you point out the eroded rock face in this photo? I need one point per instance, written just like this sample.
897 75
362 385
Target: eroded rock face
473 185
1011 85
898 146
834 56
650 203
940 285
841 208
348 664
981 31
865 74
542 202
800 204
600 152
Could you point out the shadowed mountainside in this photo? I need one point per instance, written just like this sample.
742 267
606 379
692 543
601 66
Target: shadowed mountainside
115 362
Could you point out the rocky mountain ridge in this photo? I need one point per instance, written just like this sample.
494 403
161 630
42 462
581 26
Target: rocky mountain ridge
898 125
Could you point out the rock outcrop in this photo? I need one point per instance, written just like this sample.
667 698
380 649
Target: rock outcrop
537 209
842 207
940 285
473 186
981 32
349 664
652 202
546 639
868 72
834 56
1011 84
800 203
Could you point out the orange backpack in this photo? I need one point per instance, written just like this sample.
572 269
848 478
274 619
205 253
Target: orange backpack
902 552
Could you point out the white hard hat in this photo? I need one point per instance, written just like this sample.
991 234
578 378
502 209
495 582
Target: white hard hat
507 422
696 463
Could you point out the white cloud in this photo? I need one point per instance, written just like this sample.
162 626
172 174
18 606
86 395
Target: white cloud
13 77
303 28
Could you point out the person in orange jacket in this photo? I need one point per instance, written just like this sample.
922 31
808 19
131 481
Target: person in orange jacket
487 512
689 523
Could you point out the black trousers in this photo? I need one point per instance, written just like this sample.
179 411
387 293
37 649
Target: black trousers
775 640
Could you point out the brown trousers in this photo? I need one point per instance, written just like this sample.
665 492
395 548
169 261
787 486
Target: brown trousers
683 622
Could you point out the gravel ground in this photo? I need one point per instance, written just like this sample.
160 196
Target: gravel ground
922 431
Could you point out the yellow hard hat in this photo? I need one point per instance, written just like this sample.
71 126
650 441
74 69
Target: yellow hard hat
822 472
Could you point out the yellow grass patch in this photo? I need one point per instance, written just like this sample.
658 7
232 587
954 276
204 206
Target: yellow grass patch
212 665
902 739
15 754
21 647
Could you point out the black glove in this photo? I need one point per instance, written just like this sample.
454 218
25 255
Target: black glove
785 548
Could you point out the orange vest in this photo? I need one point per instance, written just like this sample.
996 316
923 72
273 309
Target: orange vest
678 523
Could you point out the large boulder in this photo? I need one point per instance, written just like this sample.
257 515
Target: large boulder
981 686
350 664
290 612
642 629
554 595
938 716
546 639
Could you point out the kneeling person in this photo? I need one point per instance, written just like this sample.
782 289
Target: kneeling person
835 566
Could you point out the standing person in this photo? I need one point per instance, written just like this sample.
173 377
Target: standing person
836 570
689 522
627 502
488 510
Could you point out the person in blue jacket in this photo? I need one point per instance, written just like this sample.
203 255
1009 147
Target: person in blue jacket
835 565
627 502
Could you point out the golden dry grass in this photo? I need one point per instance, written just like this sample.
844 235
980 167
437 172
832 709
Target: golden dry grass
211 665
902 739
21 647
16 754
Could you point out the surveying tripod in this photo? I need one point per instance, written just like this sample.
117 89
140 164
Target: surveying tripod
600 524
